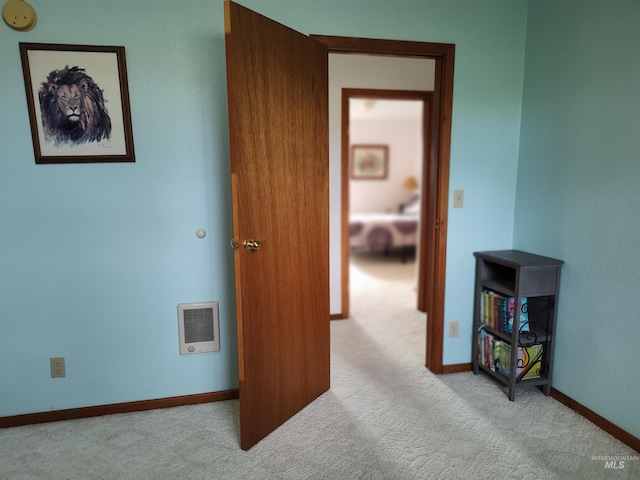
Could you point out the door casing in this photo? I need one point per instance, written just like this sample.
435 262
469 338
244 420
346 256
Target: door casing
433 237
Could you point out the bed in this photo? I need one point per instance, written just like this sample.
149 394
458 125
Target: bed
385 231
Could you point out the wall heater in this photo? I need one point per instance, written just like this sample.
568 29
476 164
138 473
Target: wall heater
198 327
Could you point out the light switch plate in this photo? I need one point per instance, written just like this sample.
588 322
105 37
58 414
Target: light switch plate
458 198
453 329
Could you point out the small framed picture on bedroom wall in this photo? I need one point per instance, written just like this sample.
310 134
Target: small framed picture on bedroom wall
369 162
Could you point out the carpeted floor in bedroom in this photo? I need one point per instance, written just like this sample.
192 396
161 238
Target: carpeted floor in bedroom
385 417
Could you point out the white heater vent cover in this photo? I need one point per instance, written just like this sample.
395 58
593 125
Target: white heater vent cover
198 327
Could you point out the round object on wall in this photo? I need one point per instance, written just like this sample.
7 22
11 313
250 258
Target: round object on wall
19 15
201 233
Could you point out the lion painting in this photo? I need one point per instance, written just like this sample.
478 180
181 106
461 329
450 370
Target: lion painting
72 107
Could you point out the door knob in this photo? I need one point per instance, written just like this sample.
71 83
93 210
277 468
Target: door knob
251 245
233 243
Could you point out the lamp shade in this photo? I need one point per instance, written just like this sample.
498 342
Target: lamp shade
410 183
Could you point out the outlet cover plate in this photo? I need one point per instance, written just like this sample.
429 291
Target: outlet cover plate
57 367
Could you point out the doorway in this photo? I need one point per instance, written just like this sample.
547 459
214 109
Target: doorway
433 237
259 48
386 141
388 130
383 212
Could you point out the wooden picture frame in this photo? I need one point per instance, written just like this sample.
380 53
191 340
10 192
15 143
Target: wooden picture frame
78 101
369 162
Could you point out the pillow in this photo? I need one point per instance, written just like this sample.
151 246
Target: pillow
412 207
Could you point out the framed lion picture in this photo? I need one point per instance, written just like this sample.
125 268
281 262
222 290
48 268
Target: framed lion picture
78 102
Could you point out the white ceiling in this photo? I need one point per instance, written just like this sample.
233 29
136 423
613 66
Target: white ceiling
370 109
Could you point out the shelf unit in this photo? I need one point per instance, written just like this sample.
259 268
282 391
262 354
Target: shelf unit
515 274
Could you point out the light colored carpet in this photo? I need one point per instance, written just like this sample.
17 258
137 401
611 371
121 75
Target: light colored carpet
385 417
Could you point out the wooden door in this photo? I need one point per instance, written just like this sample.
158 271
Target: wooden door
278 124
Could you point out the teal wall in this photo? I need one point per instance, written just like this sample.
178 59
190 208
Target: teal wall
95 258
578 193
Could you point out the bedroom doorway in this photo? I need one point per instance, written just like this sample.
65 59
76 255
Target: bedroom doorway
385 135
433 236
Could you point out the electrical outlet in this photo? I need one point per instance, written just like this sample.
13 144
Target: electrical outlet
453 329
57 367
